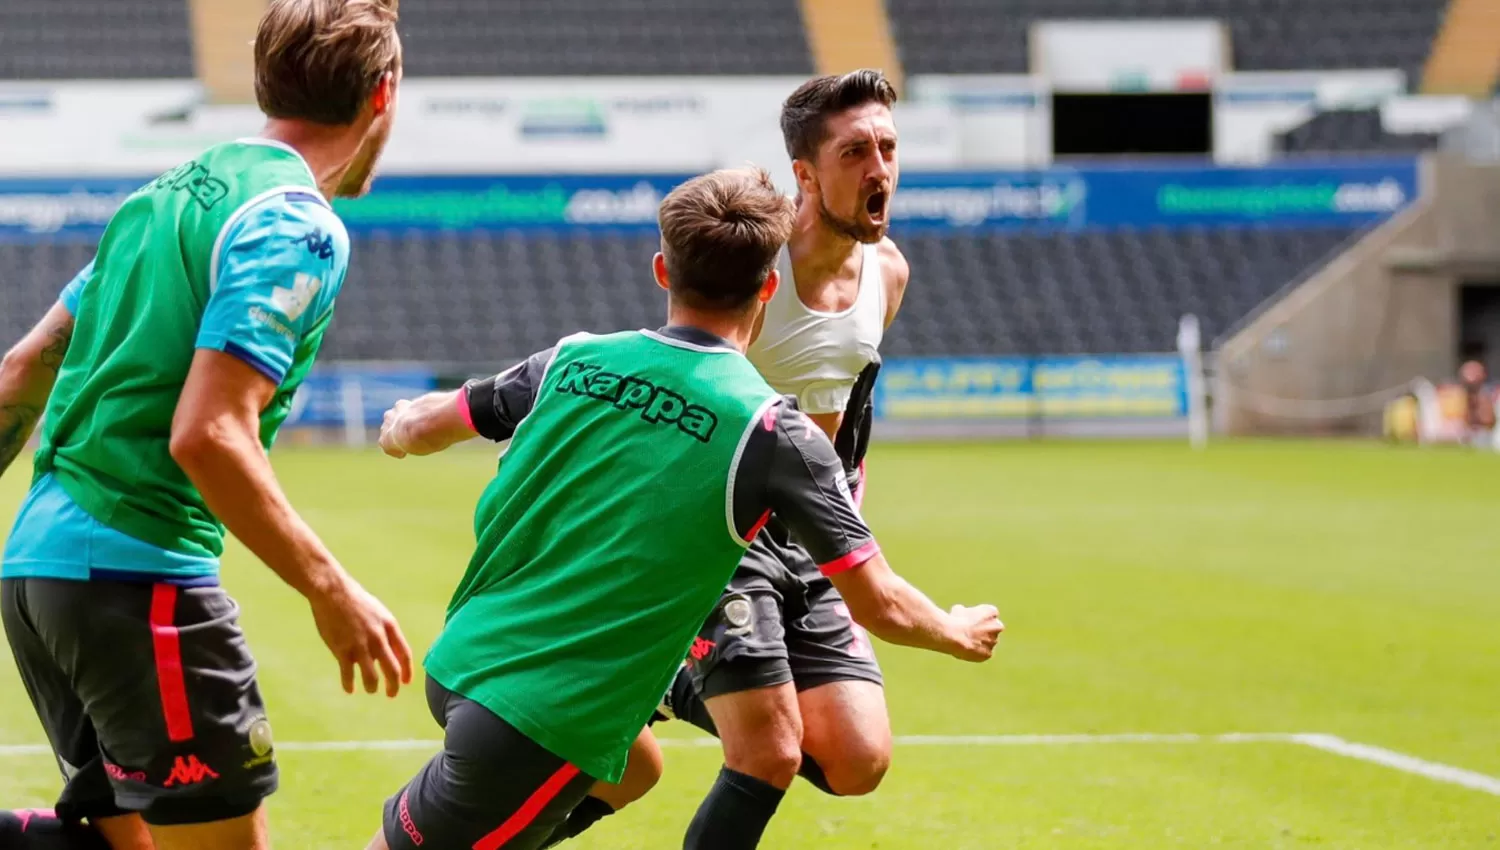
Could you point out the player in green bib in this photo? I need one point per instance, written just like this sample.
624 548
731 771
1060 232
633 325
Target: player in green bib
165 372
640 466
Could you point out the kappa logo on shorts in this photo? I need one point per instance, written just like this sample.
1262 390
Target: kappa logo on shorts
701 648
407 826
658 405
189 771
120 774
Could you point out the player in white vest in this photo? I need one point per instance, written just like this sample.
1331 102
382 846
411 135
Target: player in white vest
781 672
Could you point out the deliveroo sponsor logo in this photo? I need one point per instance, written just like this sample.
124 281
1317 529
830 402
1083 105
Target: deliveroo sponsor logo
1282 199
1057 200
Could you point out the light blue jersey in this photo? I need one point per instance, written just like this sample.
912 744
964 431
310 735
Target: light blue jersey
265 258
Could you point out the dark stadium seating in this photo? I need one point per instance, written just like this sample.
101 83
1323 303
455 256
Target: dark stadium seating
94 39
1093 293
576 37
1351 131
483 298
990 36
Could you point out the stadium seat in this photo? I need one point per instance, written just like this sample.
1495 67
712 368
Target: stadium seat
1351 131
609 37
990 36
95 39
486 298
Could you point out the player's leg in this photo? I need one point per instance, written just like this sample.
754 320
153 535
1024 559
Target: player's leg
491 787
242 833
86 816
761 730
846 737
642 772
846 727
167 681
740 671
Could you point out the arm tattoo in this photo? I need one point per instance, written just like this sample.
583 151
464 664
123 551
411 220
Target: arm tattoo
57 346
16 424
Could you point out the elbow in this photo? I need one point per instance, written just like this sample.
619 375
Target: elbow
15 366
191 444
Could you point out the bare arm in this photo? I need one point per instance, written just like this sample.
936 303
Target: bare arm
491 408
807 489
430 424
896 612
27 374
216 441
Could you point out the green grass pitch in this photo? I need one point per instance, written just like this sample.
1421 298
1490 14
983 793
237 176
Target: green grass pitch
1347 589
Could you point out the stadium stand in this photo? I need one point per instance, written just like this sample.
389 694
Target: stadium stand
1092 293
483 298
990 36
1351 131
610 37
95 39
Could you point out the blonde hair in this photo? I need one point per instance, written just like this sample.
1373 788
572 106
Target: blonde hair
321 60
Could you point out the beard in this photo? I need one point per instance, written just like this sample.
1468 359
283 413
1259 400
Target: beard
868 234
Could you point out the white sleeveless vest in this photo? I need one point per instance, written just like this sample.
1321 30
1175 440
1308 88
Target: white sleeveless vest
817 356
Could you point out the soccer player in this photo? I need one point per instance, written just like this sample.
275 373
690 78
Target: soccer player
165 371
640 466
788 679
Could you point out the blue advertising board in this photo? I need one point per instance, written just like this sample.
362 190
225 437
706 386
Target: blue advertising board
321 400
1324 193
1331 192
973 388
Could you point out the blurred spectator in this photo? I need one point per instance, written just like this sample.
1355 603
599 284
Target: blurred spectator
1480 399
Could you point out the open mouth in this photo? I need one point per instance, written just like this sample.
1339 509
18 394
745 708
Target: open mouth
875 206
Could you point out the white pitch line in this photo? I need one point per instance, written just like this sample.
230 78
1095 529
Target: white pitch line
419 744
1326 743
1402 762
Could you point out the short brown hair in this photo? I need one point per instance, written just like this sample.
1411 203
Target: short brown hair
320 60
804 115
721 234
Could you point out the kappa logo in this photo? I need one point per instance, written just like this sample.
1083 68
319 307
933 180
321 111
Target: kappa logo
293 301
120 774
318 244
407 825
189 771
658 405
701 648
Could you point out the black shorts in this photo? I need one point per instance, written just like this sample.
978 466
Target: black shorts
780 620
490 787
148 697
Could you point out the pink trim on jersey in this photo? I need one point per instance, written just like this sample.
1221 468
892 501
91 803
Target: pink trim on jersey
854 559
463 409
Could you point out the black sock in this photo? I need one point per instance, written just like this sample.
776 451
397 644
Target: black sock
684 701
27 829
589 812
735 814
